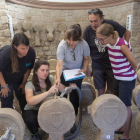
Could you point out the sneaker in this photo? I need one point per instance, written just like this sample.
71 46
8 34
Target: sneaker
36 137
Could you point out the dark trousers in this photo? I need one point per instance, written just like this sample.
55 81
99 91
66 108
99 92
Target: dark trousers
74 98
8 101
30 118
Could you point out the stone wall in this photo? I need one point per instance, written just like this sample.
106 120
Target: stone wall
4 27
43 17
135 37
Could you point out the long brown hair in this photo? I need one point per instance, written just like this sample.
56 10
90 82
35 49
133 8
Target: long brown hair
18 39
74 32
35 79
107 30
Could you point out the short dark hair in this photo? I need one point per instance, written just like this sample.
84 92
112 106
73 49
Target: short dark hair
74 32
95 12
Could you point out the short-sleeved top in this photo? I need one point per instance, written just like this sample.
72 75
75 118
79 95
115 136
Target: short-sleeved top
29 85
122 68
100 60
65 53
25 63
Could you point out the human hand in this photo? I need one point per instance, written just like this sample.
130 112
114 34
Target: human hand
74 86
82 70
4 92
52 90
22 86
88 73
57 82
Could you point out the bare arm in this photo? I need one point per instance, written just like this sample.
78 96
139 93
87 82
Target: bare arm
59 67
127 35
85 64
33 100
125 51
26 75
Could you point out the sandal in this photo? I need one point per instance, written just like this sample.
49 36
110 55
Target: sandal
119 132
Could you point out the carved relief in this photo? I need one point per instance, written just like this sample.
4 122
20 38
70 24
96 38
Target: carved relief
37 29
62 29
50 30
110 114
27 27
18 27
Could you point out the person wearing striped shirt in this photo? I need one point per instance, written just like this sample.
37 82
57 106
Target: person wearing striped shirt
124 65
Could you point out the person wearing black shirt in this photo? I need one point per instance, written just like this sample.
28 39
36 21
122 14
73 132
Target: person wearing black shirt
16 62
101 67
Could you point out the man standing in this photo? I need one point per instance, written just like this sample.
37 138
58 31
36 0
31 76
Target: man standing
101 67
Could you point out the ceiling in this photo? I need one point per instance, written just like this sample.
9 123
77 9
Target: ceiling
74 4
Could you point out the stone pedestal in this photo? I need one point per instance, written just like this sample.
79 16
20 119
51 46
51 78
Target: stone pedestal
109 114
10 118
56 117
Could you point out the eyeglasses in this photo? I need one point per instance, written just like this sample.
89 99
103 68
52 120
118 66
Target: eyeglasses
94 11
73 55
101 39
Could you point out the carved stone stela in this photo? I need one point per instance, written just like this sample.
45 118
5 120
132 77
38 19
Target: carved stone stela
62 29
50 31
109 114
136 96
37 29
27 27
88 95
10 118
56 117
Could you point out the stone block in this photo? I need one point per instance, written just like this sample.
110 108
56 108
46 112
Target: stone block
47 53
4 19
52 63
46 13
38 49
59 19
36 19
47 43
40 53
6 33
19 16
2 13
4 39
12 119
53 52
45 48
3 27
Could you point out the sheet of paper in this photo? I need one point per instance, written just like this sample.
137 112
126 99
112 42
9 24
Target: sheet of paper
72 74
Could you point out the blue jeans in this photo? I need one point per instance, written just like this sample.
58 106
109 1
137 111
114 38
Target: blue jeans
8 101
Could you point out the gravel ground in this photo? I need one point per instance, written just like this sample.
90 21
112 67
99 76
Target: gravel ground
88 130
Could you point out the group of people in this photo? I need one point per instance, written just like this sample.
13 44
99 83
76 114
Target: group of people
112 63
